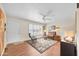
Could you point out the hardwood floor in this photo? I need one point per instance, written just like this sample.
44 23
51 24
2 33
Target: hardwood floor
24 49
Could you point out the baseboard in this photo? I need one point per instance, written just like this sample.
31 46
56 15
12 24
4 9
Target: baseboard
16 42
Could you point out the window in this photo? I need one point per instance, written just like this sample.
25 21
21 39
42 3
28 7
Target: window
35 29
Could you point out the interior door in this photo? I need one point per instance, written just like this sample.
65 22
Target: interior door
2 29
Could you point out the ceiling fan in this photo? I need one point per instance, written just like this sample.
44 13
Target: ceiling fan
47 15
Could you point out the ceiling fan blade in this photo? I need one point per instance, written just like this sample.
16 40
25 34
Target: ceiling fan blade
42 14
57 27
49 12
48 18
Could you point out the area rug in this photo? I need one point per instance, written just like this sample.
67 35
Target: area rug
42 44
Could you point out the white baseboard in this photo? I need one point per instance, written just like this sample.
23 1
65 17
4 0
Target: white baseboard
16 41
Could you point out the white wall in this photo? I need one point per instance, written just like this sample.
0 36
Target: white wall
17 29
64 27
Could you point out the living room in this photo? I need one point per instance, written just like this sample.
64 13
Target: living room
40 26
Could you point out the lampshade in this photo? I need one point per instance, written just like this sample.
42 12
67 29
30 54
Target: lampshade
69 33
69 36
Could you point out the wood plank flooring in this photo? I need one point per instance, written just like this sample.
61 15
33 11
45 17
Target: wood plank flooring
24 49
